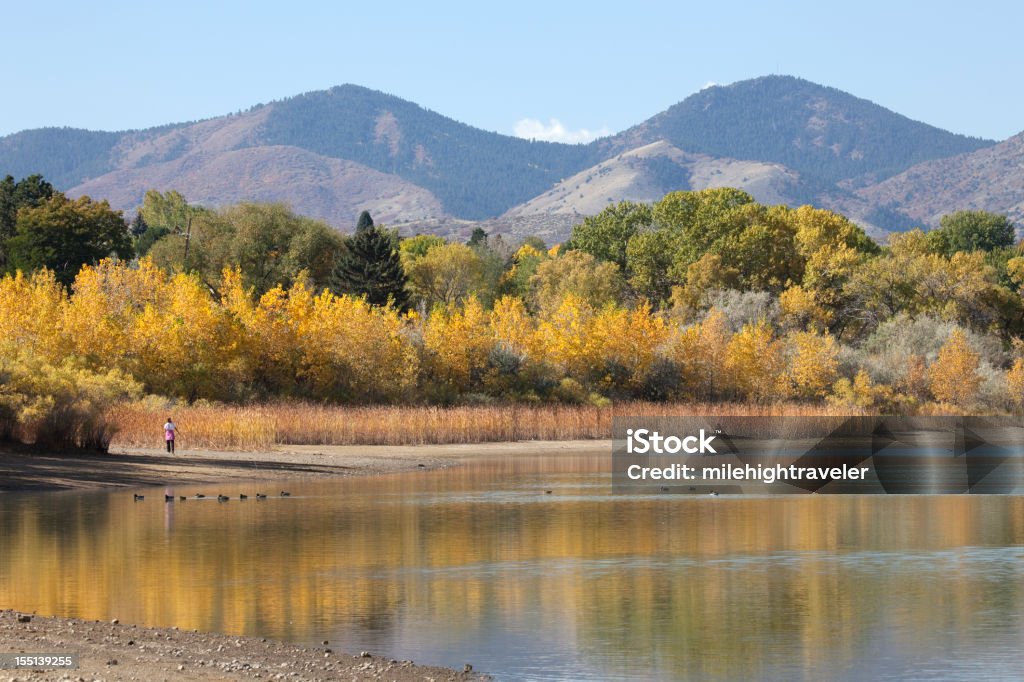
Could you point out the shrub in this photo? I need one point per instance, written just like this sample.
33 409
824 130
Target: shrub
60 406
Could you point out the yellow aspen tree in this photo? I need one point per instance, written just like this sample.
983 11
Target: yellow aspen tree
458 343
105 300
954 375
699 352
754 363
512 325
799 309
813 365
31 314
187 347
629 339
861 393
1015 383
563 336
914 382
355 351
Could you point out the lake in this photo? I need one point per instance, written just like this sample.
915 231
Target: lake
480 564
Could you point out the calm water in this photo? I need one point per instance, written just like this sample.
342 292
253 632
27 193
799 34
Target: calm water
477 564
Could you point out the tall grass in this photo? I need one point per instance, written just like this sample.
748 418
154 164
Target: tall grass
229 427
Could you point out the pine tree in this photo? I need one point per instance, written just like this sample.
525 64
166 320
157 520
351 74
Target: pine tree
370 266
365 221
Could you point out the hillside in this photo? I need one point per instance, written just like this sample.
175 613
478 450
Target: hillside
990 179
336 152
647 173
476 174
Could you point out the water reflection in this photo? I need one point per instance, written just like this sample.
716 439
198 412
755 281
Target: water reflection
480 564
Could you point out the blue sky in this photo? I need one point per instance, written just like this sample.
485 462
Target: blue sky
506 67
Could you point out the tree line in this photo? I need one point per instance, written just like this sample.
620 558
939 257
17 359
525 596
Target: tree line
700 296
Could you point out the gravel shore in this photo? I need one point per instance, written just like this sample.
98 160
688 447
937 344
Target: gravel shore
110 651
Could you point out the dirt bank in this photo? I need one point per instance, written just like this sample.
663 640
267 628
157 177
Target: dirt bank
24 469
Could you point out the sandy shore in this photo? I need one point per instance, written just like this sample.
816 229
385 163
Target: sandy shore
111 651
23 469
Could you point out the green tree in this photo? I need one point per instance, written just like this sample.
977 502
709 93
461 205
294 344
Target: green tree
25 193
138 226
971 231
649 258
418 246
370 265
606 236
364 222
267 242
169 210
478 237
62 235
447 274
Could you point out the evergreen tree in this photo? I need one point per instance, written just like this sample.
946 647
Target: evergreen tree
26 193
478 237
138 226
365 221
370 266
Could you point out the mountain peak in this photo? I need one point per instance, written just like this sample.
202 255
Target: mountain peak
817 130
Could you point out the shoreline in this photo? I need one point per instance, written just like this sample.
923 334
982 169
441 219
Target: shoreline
109 650
116 651
24 469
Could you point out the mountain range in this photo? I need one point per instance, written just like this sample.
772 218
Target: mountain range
333 153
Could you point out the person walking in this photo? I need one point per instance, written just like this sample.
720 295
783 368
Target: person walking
170 431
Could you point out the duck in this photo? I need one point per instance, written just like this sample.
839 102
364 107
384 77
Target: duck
547 492
168 498
138 498
223 498
664 489
261 496
200 496
713 494
285 493
243 496
182 498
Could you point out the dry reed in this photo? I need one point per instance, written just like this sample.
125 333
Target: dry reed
228 427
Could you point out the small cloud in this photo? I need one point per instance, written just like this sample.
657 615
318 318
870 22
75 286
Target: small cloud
555 131
709 84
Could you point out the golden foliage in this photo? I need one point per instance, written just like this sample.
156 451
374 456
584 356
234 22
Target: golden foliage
861 393
954 374
699 352
1015 383
755 362
814 364
457 344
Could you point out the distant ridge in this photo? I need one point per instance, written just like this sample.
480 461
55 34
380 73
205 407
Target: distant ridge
335 152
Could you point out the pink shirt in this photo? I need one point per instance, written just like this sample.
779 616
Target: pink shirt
169 429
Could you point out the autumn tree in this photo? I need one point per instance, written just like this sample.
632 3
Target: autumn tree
576 273
1015 383
813 364
446 275
954 375
754 363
